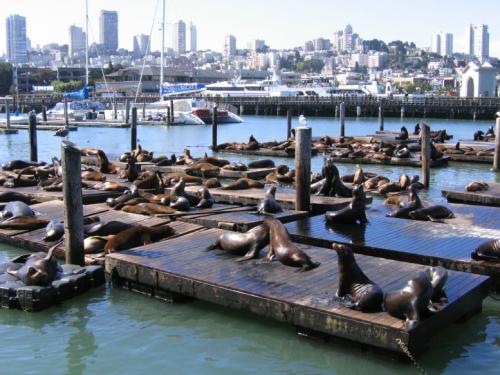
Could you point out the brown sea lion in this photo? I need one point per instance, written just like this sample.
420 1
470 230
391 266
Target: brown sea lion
23 222
243 184
264 163
269 205
247 244
176 176
10 196
355 289
281 247
179 191
202 170
212 183
152 181
414 203
110 186
131 202
214 161
389 187
148 209
94 244
131 172
477 186
107 228
39 269
352 214
489 251
372 183
237 166
137 236
359 176
92 175
19 164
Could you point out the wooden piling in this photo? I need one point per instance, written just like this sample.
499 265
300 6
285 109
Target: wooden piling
496 158
402 111
127 111
288 123
426 154
214 128
44 113
32 137
358 111
115 109
133 129
381 118
73 208
143 111
336 111
168 116
303 168
242 110
342 119
172 113
66 115
7 112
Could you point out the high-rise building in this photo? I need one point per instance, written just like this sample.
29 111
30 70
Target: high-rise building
108 26
77 40
446 44
256 45
347 36
16 39
436 43
230 45
142 45
477 41
193 38
179 37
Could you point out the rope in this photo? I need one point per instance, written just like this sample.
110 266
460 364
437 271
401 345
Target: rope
405 350
147 49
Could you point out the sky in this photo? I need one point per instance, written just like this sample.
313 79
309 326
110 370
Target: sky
281 23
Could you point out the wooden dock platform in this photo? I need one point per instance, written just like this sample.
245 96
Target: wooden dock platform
410 162
420 242
266 152
256 174
319 204
490 197
180 267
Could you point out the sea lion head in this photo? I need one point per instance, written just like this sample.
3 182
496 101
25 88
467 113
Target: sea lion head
343 250
271 190
281 169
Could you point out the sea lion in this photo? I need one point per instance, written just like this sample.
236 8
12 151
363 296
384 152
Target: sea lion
110 186
476 186
402 153
137 236
94 244
9 196
247 244
416 130
23 222
269 205
264 163
356 290
281 247
15 209
389 187
92 175
19 164
39 269
489 251
237 166
176 176
107 228
149 181
148 209
54 231
179 191
412 302
352 214
131 202
206 200
403 135
372 183
359 176
126 196
414 203
131 172
243 184
438 276
214 161
180 204
432 213
212 183
202 169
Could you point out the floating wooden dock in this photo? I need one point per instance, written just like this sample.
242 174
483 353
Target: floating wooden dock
180 267
319 204
256 173
420 242
266 152
409 162
490 197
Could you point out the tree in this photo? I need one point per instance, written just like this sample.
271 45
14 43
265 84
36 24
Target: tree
43 76
60 86
375 45
5 78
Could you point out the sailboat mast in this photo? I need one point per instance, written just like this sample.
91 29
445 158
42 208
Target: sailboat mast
86 42
162 48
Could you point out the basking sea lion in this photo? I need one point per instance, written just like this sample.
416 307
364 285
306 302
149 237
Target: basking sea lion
19 164
148 209
476 186
23 222
489 251
151 181
179 191
202 169
357 291
372 183
247 244
131 202
126 196
403 135
281 247
9 196
110 186
389 187
15 209
414 203
412 302
243 184
214 161
92 175
269 205
54 231
131 172
432 213
237 166
438 276
402 153
107 228
176 176
94 244
264 163
359 176
137 236
39 269
352 214
206 200
180 204
19 181
212 183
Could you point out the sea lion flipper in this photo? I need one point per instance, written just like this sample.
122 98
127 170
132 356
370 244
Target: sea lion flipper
434 220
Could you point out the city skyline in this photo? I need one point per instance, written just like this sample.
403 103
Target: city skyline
318 20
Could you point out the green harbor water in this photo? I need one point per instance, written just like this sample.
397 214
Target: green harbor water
112 331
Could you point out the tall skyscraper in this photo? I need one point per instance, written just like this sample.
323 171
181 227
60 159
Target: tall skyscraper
446 44
108 27
193 38
77 40
179 37
256 45
347 39
436 43
477 41
16 39
230 45
142 45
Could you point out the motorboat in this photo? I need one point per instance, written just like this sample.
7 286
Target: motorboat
78 109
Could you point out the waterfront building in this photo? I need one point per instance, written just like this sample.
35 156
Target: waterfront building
193 38
478 80
77 40
179 37
477 41
229 46
108 27
142 45
16 39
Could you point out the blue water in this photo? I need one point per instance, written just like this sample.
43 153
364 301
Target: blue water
110 331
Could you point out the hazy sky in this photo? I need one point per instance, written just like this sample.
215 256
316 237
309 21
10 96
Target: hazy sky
282 23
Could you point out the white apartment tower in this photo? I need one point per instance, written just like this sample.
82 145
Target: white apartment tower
179 37
436 43
193 38
108 29
230 46
77 40
477 41
16 39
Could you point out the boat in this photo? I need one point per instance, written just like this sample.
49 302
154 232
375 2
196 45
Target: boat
16 118
77 110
